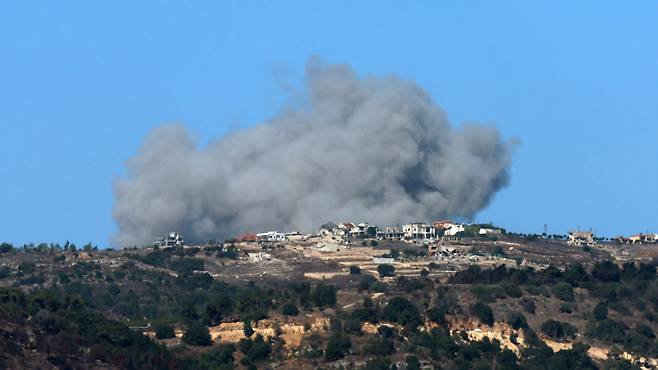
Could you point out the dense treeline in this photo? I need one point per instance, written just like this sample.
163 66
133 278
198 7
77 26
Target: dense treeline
72 334
620 289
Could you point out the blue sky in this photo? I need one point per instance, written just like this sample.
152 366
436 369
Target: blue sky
81 83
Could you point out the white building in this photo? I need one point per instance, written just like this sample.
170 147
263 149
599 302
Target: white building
390 233
295 235
173 239
344 230
579 238
418 230
271 236
643 238
454 230
360 230
487 231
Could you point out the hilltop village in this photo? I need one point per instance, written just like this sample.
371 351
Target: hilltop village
437 249
349 295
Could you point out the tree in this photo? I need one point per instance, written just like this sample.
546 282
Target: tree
197 334
257 349
218 355
324 295
606 271
575 358
600 311
437 314
629 271
483 312
289 309
564 292
385 331
402 311
385 270
246 327
413 363
6 248
610 330
575 274
557 330
516 320
355 270
365 283
337 345
424 272
164 331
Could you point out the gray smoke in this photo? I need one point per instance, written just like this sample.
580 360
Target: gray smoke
373 149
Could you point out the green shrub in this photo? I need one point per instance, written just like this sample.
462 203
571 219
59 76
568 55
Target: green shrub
516 320
289 309
512 290
385 270
385 331
566 308
337 346
219 355
564 292
412 363
600 311
606 271
164 331
324 295
488 293
197 335
247 329
257 349
483 312
402 311
610 330
558 330
535 290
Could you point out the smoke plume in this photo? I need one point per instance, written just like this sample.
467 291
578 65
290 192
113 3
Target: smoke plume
374 149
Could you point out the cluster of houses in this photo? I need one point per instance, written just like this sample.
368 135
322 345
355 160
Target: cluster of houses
583 238
411 231
350 230
638 239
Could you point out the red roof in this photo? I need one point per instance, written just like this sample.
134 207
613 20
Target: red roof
442 223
